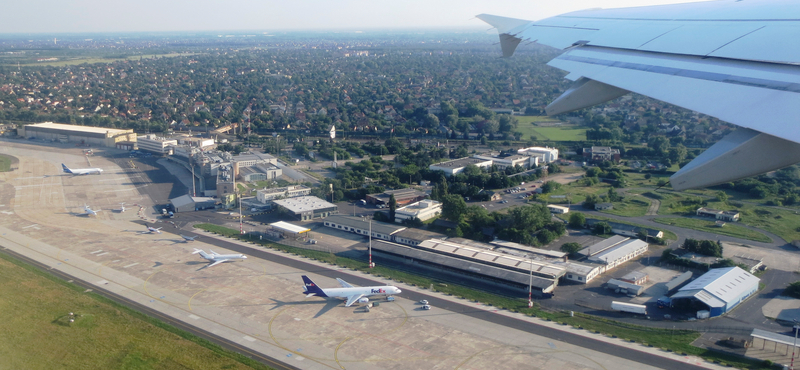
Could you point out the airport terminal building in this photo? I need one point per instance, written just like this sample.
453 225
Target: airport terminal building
92 136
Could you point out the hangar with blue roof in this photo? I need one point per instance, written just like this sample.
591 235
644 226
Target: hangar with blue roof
718 290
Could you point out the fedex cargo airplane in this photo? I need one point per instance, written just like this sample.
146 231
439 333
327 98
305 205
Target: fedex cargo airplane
347 291
81 171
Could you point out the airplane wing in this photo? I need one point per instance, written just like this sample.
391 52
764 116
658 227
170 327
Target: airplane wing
217 262
353 299
735 60
344 284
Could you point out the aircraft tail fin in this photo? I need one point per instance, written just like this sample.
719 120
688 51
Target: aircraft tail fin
202 253
312 288
65 168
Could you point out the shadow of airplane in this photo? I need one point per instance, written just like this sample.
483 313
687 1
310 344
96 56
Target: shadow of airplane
329 304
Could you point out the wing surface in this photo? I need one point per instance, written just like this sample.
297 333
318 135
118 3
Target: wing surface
738 61
344 284
217 262
353 299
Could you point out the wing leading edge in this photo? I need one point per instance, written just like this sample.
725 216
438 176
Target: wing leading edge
720 58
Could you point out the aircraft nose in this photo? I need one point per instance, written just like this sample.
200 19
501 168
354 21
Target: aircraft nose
245 257
399 291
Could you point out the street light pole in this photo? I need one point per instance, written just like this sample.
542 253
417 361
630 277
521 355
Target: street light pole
530 285
796 328
371 265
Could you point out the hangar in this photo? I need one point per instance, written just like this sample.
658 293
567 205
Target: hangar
188 203
96 136
307 207
718 290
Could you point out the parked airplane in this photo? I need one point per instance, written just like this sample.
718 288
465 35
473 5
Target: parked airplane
189 238
81 171
216 258
153 230
728 59
89 211
348 292
121 208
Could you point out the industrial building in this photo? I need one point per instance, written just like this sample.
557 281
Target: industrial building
188 203
260 172
548 154
601 153
717 291
401 196
422 210
727 216
457 166
614 251
472 264
88 135
557 209
265 195
153 143
287 230
580 272
307 207
502 163
625 229
360 226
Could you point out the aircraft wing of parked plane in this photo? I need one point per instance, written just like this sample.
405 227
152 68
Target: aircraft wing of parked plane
89 211
216 258
348 292
151 230
81 171
729 59
189 238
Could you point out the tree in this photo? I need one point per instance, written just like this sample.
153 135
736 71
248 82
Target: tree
722 196
571 248
602 228
793 290
576 219
453 207
392 207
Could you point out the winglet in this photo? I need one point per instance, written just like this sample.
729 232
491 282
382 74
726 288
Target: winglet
508 28
312 288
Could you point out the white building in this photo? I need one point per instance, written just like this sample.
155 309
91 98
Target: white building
619 253
557 209
423 210
549 154
265 195
456 166
307 207
580 272
155 144
523 161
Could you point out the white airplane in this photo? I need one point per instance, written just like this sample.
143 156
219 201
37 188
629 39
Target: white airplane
189 238
216 258
89 211
81 171
153 230
729 59
121 208
348 292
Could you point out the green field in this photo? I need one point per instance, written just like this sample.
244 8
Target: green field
710 226
92 60
631 206
5 163
37 333
538 126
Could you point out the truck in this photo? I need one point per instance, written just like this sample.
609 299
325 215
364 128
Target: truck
629 307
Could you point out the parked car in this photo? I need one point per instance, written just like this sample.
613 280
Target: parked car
426 307
424 302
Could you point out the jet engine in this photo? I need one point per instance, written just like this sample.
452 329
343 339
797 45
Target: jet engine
363 300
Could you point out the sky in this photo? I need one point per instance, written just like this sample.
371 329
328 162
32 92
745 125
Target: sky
59 16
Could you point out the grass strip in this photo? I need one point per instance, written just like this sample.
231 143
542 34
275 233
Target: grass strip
678 341
710 226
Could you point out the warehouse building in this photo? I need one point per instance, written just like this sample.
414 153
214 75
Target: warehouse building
464 264
265 195
307 207
717 291
188 203
360 226
457 166
401 196
88 135
618 253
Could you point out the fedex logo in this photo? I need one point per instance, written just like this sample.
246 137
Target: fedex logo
310 284
377 291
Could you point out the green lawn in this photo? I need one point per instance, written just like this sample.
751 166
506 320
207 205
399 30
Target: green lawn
5 163
37 333
730 229
563 132
631 206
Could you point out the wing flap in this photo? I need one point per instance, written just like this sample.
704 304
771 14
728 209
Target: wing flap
353 299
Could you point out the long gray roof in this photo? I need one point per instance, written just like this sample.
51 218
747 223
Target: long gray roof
358 223
461 264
